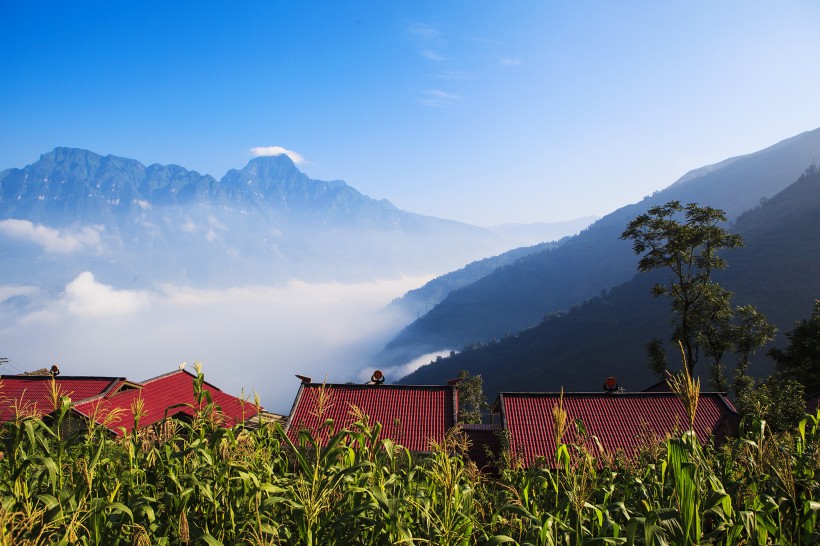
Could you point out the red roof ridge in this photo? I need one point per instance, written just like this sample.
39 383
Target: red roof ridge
110 390
649 394
383 386
175 372
185 371
60 377
722 396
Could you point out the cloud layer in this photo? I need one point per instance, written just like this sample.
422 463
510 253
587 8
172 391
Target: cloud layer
52 240
85 297
261 151
252 338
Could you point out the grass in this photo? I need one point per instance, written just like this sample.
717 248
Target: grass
201 483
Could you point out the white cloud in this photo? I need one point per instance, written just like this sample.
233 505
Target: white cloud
52 240
432 55
214 222
85 297
9 291
260 151
394 373
510 61
39 318
438 99
251 338
430 42
189 226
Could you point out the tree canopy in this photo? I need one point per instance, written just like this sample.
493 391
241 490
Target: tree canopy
685 240
801 359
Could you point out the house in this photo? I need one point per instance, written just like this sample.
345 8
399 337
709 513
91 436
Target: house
410 415
33 394
622 422
168 395
111 402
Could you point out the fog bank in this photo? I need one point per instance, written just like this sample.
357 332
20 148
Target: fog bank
253 338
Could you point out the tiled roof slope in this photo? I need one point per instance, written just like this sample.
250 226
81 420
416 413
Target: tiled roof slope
410 415
162 396
620 421
32 394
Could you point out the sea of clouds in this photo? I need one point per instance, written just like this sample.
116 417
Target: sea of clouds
248 339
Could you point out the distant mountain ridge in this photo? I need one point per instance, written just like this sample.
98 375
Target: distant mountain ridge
584 266
66 183
421 300
776 270
539 232
267 222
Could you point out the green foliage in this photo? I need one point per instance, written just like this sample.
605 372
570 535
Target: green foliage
801 359
198 483
656 353
471 400
780 399
705 322
688 250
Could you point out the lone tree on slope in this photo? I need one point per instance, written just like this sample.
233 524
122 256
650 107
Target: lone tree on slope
684 240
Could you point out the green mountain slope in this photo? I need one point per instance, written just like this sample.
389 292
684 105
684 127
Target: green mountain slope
777 271
520 295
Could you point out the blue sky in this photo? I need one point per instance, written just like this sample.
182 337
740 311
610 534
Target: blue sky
479 111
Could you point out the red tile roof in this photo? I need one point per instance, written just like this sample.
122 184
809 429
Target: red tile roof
165 395
109 400
620 420
32 394
410 415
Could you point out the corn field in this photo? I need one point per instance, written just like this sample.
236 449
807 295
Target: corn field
199 483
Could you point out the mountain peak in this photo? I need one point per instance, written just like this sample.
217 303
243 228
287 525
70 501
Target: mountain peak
277 167
63 153
267 221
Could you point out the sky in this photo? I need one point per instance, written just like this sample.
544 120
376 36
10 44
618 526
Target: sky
480 111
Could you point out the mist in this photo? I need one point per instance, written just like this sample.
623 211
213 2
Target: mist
248 339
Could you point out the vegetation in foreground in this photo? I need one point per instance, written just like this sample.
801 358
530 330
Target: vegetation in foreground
199 483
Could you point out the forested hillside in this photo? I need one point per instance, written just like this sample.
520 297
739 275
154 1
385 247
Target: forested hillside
776 270
520 295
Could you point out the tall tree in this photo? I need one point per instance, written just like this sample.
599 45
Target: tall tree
801 359
471 400
750 332
684 240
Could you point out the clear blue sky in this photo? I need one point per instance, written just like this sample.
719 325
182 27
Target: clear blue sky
479 111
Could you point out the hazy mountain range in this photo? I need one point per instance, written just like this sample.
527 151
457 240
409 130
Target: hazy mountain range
776 270
565 311
573 314
137 226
